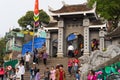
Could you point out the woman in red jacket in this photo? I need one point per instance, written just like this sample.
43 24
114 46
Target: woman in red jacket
2 72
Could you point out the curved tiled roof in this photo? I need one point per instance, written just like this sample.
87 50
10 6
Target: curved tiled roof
72 8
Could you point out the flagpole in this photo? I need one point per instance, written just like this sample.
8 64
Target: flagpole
33 39
36 20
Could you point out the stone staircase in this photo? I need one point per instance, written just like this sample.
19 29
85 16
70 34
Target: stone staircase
51 62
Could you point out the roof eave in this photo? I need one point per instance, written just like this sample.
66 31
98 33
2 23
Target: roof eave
51 28
70 13
98 26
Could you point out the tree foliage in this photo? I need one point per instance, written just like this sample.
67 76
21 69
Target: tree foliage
27 19
109 9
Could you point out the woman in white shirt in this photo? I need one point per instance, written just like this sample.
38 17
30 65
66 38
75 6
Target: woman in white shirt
18 74
21 70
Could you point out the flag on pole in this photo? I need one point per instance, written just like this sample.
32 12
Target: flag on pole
36 14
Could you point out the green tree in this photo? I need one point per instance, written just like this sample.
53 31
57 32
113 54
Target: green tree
27 19
109 9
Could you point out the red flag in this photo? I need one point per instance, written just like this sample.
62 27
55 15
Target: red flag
36 8
36 14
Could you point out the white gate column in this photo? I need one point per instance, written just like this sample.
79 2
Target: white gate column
48 42
102 39
60 38
86 23
86 41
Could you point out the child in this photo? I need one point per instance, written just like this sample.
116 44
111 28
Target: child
37 76
17 75
77 75
91 75
33 71
45 56
70 64
46 74
52 73
11 73
76 52
75 64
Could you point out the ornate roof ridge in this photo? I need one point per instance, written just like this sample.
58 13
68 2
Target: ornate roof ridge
71 8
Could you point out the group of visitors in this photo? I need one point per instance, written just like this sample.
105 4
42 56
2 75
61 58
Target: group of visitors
74 64
57 73
53 73
35 57
15 73
40 55
94 44
73 70
18 72
74 52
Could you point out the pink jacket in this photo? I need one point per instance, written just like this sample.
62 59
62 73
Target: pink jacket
91 77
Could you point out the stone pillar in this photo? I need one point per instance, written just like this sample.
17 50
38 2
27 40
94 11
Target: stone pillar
48 42
102 40
60 38
86 41
86 23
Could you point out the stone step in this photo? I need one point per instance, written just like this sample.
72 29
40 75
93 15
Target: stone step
51 62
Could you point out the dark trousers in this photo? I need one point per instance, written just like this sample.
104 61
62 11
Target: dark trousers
46 78
70 69
35 59
45 61
70 53
27 65
1 76
22 77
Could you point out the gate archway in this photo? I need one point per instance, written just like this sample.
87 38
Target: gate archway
54 48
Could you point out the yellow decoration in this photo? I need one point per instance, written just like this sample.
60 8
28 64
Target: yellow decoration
31 33
25 32
28 32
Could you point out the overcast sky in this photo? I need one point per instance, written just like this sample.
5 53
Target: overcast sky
12 10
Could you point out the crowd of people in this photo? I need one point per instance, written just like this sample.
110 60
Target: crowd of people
50 73
17 73
11 73
55 72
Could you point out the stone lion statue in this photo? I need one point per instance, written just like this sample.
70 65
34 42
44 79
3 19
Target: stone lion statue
96 58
